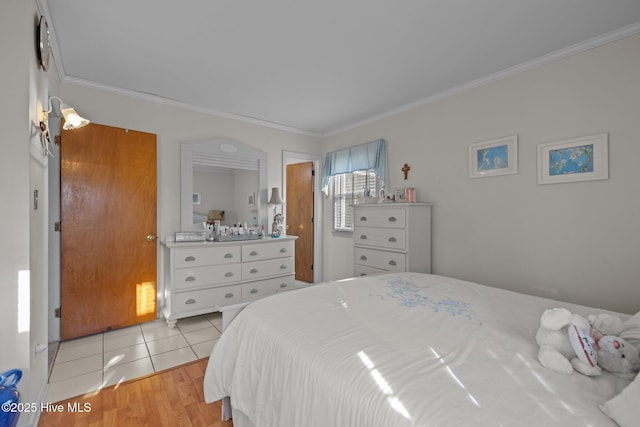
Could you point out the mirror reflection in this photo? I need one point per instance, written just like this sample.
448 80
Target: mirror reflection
223 180
226 195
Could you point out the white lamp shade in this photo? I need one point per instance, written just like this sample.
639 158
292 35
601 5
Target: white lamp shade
72 120
275 197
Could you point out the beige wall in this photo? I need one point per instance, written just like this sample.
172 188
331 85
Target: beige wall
23 169
577 241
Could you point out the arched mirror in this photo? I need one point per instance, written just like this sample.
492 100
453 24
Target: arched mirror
221 174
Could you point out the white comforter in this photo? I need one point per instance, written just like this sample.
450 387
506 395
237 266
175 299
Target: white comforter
399 350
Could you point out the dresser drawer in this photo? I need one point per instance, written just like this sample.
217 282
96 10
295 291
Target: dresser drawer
272 267
260 251
205 299
196 257
364 270
388 238
186 278
379 217
390 261
268 286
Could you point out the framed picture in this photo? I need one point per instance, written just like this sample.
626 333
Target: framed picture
197 198
252 200
578 159
495 157
398 194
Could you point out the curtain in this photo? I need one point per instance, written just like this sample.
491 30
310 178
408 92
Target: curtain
372 155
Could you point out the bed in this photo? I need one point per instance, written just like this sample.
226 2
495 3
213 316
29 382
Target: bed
403 349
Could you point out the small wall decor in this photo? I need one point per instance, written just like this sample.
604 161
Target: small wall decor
252 200
495 157
197 198
579 159
405 170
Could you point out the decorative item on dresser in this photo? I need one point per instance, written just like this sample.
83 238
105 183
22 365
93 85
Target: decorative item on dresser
391 237
202 277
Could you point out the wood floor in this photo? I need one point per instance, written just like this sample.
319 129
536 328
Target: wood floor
169 398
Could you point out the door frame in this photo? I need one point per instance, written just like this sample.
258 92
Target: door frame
293 157
54 236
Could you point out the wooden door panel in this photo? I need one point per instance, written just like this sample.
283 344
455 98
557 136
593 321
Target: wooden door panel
300 216
108 207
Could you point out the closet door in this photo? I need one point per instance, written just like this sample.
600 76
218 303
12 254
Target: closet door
108 241
299 216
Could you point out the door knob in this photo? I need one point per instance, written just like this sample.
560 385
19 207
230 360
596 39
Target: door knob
151 237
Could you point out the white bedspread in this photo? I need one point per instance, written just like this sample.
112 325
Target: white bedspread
399 350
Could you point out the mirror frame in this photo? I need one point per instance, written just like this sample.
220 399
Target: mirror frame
219 151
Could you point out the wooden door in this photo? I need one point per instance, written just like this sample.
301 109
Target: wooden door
108 241
300 216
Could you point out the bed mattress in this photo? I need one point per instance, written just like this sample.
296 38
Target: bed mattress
402 349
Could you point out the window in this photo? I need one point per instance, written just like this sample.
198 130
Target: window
347 187
358 171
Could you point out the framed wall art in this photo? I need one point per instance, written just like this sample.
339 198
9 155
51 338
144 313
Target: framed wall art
197 197
579 159
495 157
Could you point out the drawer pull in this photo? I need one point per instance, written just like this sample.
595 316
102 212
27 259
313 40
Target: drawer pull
363 257
253 291
228 274
283 285
363 218
228 255
392 262
392 239
363 237
253 270
253 253
392 219
229 295
283 267
363 274
283 250
190 258
190 279
190 301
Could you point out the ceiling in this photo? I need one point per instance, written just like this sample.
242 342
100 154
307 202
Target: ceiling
317 67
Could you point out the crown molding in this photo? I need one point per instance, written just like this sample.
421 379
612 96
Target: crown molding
511 71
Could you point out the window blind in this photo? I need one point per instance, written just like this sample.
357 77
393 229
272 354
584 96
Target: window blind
347 188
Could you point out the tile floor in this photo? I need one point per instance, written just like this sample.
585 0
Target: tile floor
85 365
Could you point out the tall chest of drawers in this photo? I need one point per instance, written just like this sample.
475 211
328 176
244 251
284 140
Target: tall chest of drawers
391 237
201 277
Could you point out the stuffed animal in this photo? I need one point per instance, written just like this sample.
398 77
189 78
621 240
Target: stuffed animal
569 342
631 330
606 324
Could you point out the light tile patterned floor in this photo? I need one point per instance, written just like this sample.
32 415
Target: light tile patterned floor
85 365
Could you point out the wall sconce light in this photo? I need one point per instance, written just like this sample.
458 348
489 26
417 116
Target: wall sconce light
72 120
276 200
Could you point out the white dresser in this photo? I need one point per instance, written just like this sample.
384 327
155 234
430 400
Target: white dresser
391 237
201 277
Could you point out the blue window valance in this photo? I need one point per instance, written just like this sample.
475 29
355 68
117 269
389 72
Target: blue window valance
372 155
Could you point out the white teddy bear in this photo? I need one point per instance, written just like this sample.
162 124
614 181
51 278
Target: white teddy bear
570 342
